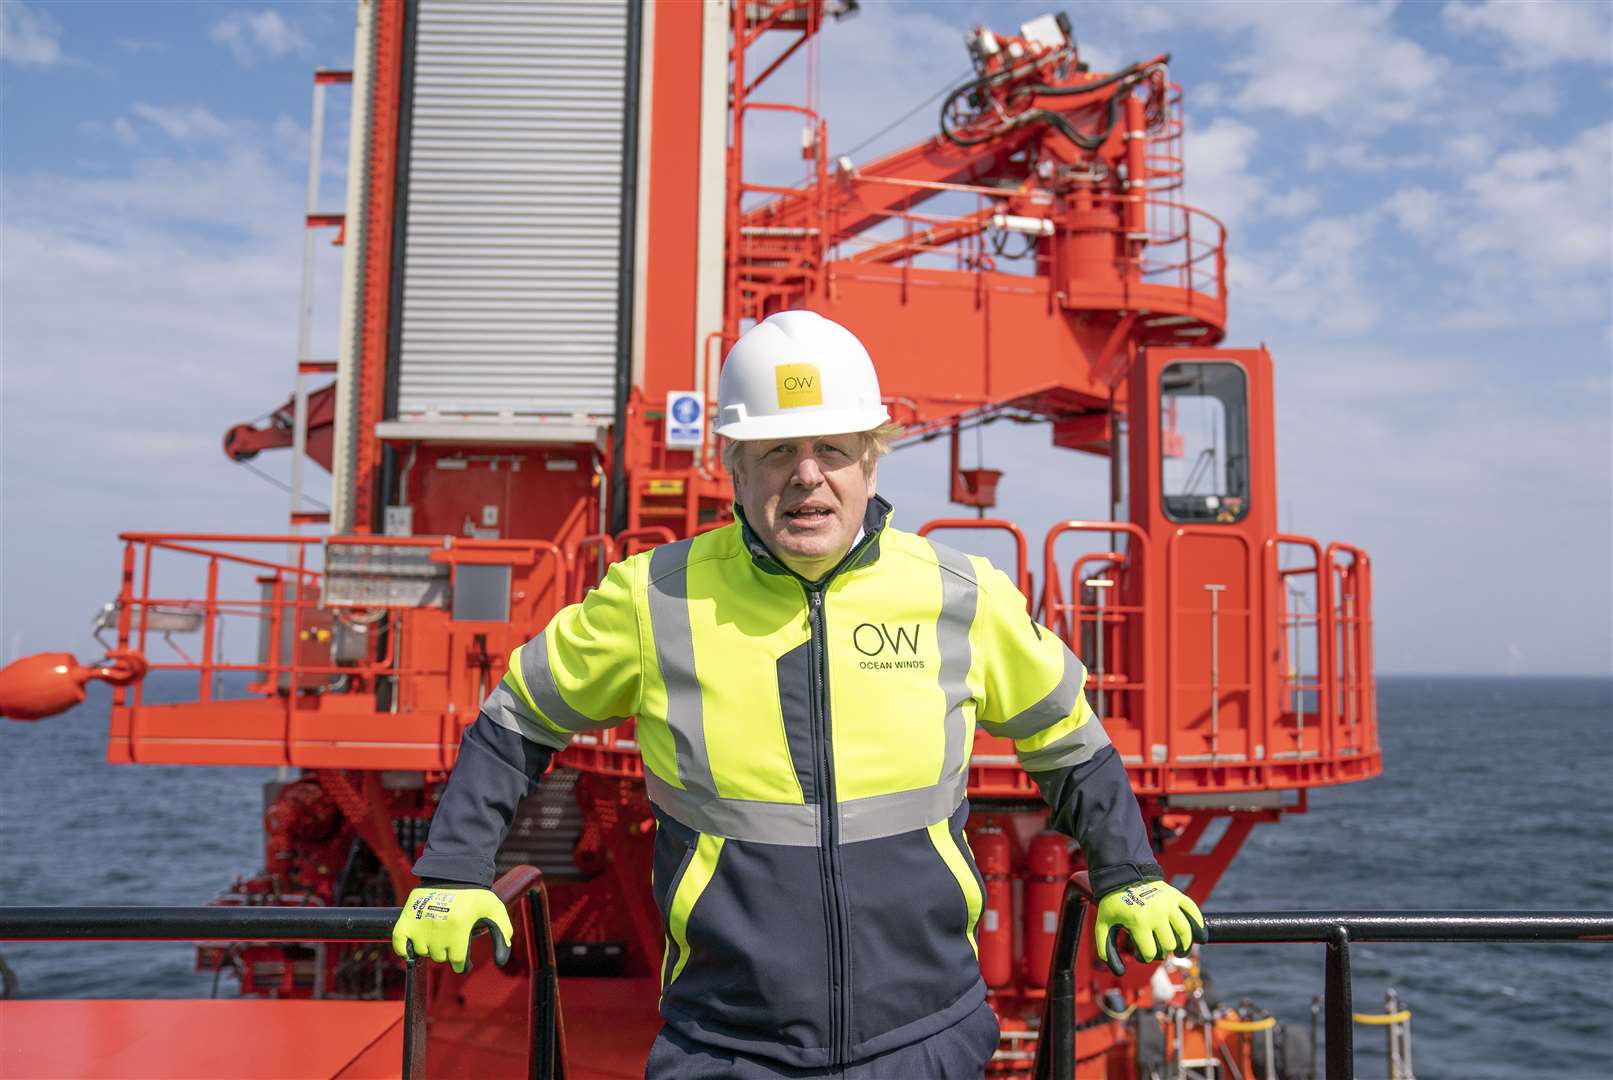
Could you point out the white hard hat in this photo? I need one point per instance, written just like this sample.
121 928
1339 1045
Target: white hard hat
796 374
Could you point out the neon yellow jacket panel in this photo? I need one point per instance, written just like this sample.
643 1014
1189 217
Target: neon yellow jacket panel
806 751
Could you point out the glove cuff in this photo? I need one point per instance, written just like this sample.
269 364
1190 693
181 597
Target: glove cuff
1117 876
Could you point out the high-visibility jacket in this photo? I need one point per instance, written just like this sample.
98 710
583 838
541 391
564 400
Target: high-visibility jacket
806 750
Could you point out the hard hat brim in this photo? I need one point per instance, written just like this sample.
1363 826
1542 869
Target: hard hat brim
812 422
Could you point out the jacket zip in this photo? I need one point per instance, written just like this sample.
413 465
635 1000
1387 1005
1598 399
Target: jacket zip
829 854
833 876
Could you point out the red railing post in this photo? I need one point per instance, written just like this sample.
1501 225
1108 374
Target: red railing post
296 632
120 691
607 555
271 671
628 538
204 689
1138 646
1022 571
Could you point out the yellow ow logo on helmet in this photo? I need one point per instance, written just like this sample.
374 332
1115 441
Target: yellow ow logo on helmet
798 385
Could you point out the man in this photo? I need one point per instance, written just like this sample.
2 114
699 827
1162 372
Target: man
806 682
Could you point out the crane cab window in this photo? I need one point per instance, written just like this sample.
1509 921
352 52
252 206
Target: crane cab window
1204 442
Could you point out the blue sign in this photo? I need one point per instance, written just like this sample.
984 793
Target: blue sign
685 420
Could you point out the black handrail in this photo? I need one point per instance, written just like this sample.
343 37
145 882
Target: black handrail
233 923
265 923
1055 1050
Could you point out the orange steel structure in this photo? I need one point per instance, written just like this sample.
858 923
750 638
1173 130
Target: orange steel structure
1231 662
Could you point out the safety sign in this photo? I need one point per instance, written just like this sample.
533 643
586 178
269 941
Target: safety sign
685 420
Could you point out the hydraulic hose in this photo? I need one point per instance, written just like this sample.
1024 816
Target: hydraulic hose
1057 120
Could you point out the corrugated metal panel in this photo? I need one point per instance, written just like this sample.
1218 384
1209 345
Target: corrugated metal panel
344 454
512 244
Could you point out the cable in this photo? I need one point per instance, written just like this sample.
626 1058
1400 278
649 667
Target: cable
282 485
907 115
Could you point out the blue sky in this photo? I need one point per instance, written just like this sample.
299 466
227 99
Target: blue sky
1419 204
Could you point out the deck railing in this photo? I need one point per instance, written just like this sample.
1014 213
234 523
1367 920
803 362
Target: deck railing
521 889
523 892
1338 930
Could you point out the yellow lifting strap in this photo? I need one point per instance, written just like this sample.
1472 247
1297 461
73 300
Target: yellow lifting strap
1230 1025
1383 1019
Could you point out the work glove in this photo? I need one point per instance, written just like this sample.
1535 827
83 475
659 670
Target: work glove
439 923
1158 918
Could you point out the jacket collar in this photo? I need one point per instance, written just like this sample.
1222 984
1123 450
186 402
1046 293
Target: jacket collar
863 553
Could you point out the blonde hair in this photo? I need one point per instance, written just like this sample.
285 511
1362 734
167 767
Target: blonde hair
875 445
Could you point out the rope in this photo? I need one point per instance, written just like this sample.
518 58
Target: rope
1383 1019
909 114
1124 1014
249 467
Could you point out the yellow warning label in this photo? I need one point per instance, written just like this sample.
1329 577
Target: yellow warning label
666 487
798 385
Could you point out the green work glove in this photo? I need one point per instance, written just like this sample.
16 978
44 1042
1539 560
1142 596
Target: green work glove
439 923
1158 917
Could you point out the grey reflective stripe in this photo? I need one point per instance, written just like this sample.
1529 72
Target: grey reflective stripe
508 711
901 811
674 652
1056 706
792 824
795 825
1072 749
958 598
539 680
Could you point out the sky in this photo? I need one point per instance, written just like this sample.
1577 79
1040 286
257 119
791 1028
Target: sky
1419 200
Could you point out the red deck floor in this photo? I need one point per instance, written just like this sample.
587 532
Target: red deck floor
189 1040
609 1025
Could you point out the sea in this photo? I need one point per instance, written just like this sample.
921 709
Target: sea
1496 793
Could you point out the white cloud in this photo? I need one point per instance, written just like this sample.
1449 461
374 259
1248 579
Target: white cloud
182 124
146 311
28 38
1313 274
1538 98
1553 206
1469 149
125 131
1349 156
290 138
1313 277
1206 96
1540 34
1526 238
1219 179
1217 170
1416 209
1345 62
1296 202
251 36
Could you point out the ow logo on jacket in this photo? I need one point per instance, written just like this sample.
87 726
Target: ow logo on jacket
806 750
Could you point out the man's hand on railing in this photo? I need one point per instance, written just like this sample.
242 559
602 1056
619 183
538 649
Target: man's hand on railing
439 923
1157 917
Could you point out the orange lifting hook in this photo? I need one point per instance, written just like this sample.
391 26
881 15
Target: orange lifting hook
45 684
